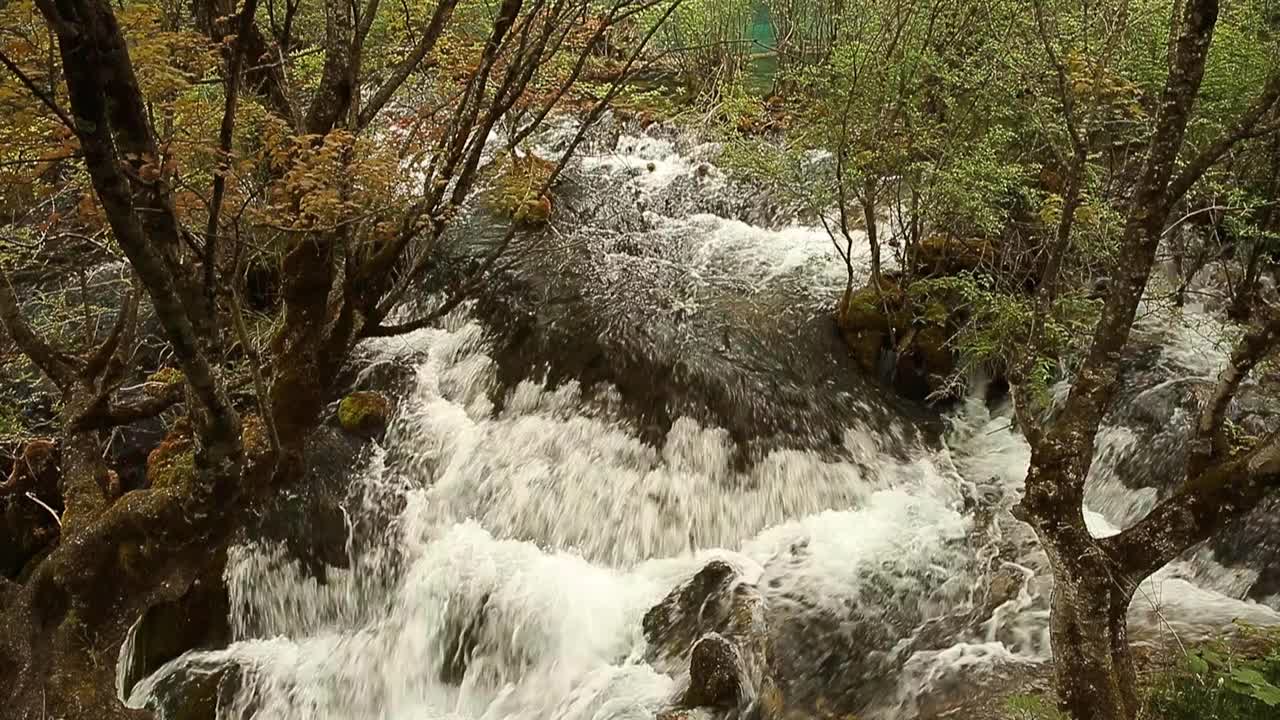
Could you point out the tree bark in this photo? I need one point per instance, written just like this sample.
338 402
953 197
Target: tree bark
1092 660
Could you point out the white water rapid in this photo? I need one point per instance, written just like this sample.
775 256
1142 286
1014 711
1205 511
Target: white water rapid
506 554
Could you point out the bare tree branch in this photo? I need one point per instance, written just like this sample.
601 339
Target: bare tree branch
60 367
41 95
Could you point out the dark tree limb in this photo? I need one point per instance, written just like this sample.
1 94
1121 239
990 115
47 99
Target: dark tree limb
60 367
1211 441
114 413
336 90
403 69
98 360
226 131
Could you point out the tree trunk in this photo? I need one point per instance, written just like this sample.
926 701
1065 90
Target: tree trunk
1091 593
873 235
1091 656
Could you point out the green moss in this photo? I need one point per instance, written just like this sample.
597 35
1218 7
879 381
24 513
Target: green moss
172 470
161 380
363 413
173 462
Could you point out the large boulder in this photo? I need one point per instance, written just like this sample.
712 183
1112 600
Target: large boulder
198 620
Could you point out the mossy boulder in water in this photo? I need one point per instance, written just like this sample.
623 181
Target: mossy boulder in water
364 413
885 334
938 256
517 191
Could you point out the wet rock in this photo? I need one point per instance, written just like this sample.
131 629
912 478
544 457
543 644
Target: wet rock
713 631
700 605
714 673
887 339
197 620
309 517
364 414
391 378
196 691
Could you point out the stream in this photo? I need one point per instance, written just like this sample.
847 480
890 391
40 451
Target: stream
531 502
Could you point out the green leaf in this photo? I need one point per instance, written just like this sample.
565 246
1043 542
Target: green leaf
1197 664
1268 694
1249 676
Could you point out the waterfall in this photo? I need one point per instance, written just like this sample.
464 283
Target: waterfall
513 535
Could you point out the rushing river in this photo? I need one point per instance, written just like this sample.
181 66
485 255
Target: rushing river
508 539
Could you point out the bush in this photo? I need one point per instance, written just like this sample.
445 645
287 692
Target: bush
1221 682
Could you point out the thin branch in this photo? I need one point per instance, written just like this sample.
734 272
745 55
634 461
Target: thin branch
57 365
1240 130
1211 440
35 90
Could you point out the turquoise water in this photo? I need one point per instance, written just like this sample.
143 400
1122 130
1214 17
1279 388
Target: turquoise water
764 64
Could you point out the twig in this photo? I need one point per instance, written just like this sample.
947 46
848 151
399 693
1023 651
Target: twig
40 94
32 497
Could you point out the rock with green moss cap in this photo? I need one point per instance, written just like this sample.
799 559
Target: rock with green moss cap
163 381
364 414
173 462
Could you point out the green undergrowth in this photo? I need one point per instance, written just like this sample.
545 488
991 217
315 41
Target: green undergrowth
1223 681
1230 678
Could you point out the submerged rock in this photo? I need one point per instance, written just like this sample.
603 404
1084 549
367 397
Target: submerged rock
198 620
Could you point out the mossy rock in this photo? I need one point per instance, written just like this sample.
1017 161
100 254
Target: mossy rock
870 317
931 347
534 211
925 363
865 347
162 380
173 462
364 413
516 192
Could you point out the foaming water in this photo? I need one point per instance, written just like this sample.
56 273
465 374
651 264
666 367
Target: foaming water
504 554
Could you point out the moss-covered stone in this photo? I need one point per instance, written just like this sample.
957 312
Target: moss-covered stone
518 181
173 462
875 320
161 380
534 211
364 413
950 256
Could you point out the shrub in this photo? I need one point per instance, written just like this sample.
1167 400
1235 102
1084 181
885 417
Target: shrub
1222 682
